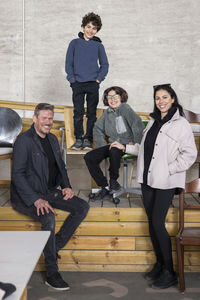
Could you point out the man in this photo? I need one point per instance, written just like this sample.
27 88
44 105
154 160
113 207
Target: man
37 172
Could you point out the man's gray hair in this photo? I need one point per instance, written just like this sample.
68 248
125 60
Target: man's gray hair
43 106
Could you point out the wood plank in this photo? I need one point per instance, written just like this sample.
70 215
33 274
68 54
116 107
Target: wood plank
105 257
4 183
86 228
110 268
144 243
19 225
120 257
100 243
9 214
27 105
5 156
24 295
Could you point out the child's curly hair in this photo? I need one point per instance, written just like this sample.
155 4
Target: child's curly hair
93 18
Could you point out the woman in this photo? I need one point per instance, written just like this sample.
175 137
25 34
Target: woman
167 150
119 123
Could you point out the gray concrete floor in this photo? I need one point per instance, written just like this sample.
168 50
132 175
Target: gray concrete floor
126 201
110 286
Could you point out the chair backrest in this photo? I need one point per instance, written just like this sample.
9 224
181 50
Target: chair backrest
10 127
192 187
191 116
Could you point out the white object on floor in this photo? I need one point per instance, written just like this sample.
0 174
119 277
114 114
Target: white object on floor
19 253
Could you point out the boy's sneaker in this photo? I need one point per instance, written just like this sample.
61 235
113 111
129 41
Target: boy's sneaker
87 144
77 145
56 282
101 195
114 186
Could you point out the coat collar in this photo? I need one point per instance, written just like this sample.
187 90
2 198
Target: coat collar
110 110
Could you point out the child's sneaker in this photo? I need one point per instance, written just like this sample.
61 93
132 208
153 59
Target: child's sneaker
77 145
114 186
103 194
87 144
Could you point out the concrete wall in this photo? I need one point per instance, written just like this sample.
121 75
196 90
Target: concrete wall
148 42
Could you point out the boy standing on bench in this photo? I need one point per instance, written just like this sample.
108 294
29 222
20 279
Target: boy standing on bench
86 67
40 183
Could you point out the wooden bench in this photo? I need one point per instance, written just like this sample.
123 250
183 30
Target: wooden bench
66 137
109 239
67 123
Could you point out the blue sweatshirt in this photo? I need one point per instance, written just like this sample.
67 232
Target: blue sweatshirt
86 60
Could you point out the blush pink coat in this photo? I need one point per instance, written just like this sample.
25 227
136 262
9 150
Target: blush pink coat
174 153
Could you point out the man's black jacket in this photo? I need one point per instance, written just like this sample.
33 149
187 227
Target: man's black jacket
30 168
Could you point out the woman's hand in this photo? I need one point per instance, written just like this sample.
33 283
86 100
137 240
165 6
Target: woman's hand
118 145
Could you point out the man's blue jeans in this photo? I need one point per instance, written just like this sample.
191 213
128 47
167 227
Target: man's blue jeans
78 209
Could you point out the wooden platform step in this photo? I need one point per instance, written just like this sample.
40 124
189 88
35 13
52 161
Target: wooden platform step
109 239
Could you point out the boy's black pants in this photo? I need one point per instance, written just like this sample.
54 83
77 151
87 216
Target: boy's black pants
82 91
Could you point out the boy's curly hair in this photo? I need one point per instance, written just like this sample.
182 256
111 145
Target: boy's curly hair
93 18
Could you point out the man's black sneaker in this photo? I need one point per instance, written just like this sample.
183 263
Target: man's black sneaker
56 282
87 144
77 145
154 273
101 195
6 289
114 186
165 280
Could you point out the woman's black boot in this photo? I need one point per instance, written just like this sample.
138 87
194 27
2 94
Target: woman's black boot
154 273
165 280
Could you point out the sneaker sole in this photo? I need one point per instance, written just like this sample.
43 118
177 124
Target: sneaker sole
87 148
56 288
78 149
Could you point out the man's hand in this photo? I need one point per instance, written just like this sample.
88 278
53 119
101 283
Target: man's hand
67 193
43 205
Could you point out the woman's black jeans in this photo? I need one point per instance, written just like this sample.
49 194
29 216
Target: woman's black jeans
156 203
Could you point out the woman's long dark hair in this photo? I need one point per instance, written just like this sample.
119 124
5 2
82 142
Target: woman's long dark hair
169 89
